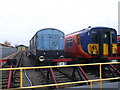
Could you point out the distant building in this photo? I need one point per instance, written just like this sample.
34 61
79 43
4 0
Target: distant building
3 45
22 47
6 50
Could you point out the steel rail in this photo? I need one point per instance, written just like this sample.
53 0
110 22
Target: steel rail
53 76
83 73
9 78
11 73
115 69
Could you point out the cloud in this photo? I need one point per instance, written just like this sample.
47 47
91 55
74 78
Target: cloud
21 19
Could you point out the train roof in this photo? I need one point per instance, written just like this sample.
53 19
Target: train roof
21 46
88 29
47 29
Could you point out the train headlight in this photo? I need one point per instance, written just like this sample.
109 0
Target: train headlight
41 58
62 56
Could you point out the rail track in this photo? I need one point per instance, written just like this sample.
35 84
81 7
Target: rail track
11 78
52 75
62 75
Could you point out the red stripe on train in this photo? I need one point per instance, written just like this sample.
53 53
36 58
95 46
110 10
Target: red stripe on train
3 60
61 60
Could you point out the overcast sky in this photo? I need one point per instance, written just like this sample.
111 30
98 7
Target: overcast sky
21 19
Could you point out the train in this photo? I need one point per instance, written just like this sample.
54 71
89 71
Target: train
97 44
47 44
118 45
92 44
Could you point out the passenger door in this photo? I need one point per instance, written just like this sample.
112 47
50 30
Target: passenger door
105 44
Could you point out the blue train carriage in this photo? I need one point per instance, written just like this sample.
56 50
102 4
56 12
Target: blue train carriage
47 44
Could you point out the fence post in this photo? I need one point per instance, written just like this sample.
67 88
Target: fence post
90 85
21 78
100 76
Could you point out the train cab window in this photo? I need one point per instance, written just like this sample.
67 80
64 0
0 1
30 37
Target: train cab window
105 38
69 42
118 44
94 37
113 38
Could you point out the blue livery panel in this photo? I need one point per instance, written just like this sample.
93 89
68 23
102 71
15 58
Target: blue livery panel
50 39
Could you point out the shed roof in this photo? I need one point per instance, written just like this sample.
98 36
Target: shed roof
21 46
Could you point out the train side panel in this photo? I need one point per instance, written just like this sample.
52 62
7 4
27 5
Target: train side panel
118 44
91 43
70 46
32 47
76 50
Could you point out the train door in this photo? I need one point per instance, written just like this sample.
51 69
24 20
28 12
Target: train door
106 41
107 44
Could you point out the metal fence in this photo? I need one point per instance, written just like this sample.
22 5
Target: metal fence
67 83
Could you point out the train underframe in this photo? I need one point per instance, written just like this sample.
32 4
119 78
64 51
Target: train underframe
45 58
94 60
65 61
51 59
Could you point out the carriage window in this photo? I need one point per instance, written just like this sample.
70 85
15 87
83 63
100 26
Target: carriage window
69 42
94 37
105 38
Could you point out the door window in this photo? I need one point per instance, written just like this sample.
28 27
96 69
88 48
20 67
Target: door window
94 37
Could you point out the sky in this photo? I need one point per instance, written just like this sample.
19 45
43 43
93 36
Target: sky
21 19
